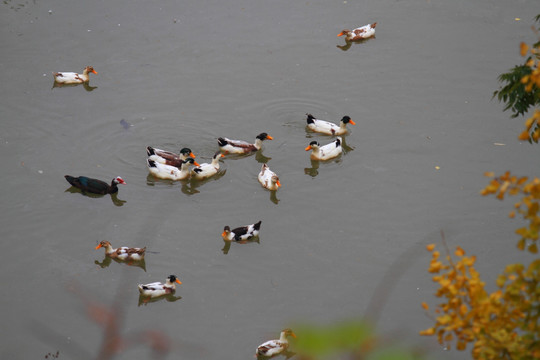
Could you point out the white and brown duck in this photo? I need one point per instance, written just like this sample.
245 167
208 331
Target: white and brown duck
240 146
361 33
274 347
122 253
268 179
168 157
73 77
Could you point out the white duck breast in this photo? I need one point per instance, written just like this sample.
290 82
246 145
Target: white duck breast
156 289
169 172
268 179
207 170
325 152
73 77
326 127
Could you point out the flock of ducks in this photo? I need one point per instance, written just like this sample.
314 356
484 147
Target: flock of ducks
171 166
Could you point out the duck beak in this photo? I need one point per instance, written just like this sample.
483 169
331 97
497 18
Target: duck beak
352 122
269 137
192 155
94 72
223 234
178 281
196 164
97 247
278 183
308 148
293 335
340 34
222 155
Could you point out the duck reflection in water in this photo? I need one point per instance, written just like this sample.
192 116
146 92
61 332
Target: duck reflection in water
107 261
261 159
227 245
186 187
193 184
145 300
114 197
348 43
85 85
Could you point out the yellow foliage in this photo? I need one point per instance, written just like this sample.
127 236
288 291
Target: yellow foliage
532 125
528 207
499 325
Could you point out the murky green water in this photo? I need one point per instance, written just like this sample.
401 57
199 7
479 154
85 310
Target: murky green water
185 73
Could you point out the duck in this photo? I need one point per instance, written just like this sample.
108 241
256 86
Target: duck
95 186
73 77
361 33
274 347
268 179
169 172
156 289
325 152
326 127
168 157
122 253
240 146
241 233
206 170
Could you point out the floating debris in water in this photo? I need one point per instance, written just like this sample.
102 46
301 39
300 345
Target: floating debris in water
125 124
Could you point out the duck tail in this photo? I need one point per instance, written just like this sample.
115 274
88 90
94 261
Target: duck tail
257 226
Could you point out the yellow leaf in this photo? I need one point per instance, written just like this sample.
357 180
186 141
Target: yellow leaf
512 214
430 247
489 174
425 306
524 136
428 332
459 251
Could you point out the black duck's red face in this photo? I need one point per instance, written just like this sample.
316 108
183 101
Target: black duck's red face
119 180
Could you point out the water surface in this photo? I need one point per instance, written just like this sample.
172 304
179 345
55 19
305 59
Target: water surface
182 74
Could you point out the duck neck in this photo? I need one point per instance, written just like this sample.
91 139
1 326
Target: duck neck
258 143
215 161
283 337
109 249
